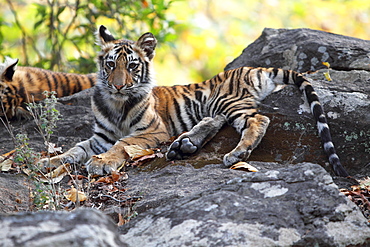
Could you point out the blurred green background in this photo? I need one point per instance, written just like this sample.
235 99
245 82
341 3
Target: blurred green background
197 38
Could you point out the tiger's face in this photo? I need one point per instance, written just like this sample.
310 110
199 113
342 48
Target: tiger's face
125 65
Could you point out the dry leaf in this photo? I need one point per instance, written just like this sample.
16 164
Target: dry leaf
244 166
135 151
26 171
56 175
5 164
72 193
114 177
327 76
146 158
106 180
326 64
52 148
9 153
365 183
121 220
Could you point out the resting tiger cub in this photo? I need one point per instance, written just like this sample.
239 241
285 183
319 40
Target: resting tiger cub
129 109
19 85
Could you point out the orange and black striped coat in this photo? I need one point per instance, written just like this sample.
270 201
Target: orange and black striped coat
20 85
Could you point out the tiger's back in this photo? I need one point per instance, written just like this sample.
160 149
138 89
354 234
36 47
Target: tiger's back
229 93
19 85
31 82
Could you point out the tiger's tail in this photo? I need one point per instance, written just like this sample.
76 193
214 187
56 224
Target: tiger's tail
292 77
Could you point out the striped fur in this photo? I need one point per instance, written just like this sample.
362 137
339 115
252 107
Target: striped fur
129 109
19 85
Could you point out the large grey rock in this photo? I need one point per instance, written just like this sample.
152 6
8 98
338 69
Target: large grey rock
295 206
83 227
304 50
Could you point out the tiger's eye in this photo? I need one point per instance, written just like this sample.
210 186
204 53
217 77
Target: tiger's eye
111 64
133 66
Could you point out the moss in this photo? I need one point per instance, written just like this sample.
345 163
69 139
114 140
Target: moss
351 136
297 126
361 137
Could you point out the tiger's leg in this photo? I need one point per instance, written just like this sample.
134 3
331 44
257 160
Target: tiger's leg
190 142
79 154
251 136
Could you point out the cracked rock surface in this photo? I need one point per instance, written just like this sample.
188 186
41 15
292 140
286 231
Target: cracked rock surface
268 208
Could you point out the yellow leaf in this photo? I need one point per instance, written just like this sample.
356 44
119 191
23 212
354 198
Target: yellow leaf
135 151
9 153
326 64
327 76
73 193
244 166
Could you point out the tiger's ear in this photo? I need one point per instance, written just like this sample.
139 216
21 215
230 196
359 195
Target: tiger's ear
8 68
104 36
147 42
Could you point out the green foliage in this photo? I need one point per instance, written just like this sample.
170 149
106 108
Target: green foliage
45 115
59 34
25 155
214 32
45 196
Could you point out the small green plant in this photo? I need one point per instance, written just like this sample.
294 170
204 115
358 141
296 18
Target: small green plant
45 115
25 158
25 154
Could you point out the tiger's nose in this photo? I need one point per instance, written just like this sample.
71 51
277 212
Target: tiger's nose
118 87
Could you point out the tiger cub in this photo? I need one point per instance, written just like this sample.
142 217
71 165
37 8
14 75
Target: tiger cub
19 85
129 109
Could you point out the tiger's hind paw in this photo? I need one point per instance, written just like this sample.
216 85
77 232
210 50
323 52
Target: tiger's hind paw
236 156
181 148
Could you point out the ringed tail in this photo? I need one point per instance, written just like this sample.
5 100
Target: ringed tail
292 77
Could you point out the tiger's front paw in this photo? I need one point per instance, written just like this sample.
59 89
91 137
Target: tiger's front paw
48 164
103 164
181 148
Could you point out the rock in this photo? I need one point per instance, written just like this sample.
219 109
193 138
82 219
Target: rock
304 50
15 193
295 206
82 227
172 183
